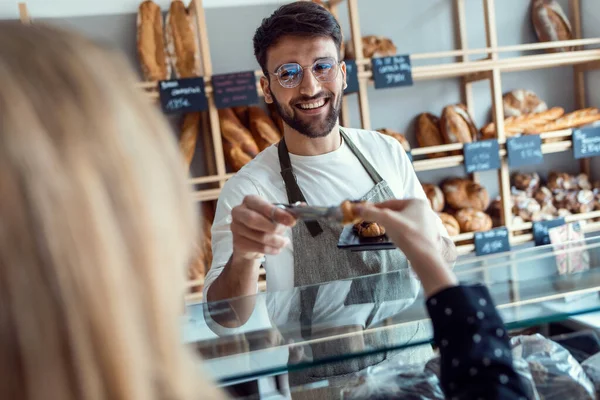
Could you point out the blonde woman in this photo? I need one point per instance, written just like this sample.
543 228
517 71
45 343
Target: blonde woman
96 227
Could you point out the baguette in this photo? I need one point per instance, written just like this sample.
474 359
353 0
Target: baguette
235 156
572 120
523 123
235 133
151 47
262 127
181 43
189 136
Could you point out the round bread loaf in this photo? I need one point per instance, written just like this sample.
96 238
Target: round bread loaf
472 220
522 101
428 133
526 182
464 193
396 135
450 223
435 196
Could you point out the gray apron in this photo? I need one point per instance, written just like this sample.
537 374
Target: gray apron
317 260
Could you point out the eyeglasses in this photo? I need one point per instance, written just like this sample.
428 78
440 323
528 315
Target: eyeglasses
291 74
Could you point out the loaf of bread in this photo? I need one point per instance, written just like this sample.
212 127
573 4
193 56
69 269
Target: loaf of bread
450 223
373 46
151 48
495 212
527 123
464 193
235 157
396 135
472 220
435 196
520 102
189 136
369 229
572 120
457 125
428 133
262 127
550 23
235 133
181 42
527 182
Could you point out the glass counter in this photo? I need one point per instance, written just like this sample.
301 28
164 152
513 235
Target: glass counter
314 334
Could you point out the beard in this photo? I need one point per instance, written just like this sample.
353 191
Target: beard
318 127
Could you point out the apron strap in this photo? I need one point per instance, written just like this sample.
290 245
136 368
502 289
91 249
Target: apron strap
291 185
365 163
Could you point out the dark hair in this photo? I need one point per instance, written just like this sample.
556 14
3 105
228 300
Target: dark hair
301 18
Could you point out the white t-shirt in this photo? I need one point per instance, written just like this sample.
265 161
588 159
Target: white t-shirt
325 180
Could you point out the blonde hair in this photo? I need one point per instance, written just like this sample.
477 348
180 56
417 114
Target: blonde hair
96 227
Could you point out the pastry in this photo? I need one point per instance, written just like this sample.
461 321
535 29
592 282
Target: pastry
526 182
464 193
373 46
457 125
450 223
527 122
522 101
396 135
181 42
429 134
369 229
550 23
528 209
235 156
567 121
349 212
189 136
472 220
583 182
435 196
235 133
558 181
151 46
263 130
585 201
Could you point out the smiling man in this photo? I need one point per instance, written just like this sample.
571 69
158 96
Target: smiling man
318 162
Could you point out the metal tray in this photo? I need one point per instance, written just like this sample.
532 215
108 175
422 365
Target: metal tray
349 240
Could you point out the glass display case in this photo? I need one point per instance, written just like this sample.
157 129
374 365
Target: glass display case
318 337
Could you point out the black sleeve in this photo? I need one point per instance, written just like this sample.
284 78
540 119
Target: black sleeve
476 359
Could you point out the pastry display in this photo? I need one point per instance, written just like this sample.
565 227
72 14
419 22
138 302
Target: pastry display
435 196
396 135
369 229
464 193
262 127
520 102
450 223
181 42
429 134
550 23
472 220
189 136
457 125
349 212
151 47
373 46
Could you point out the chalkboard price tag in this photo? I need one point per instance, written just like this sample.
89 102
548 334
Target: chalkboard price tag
481 156
524 150
182 95
351 77
540 230
491 242
586 141
392 71
236 89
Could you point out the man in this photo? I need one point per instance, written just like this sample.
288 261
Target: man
318 162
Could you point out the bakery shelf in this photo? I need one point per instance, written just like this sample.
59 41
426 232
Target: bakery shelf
569 218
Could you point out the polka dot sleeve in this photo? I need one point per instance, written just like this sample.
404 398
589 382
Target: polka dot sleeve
476 360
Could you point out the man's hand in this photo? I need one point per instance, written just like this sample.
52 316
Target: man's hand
258 227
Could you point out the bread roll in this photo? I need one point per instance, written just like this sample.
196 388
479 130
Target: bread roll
373 46
450 223
151 47
236 134
559 181
181 42
396 135
550 23
464 193
429 134
457 125
435 196
522 101
526 182
262 127
472 220
528 209
543 195
369 229
235 156
189 136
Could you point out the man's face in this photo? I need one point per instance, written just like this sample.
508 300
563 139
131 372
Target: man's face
311 108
